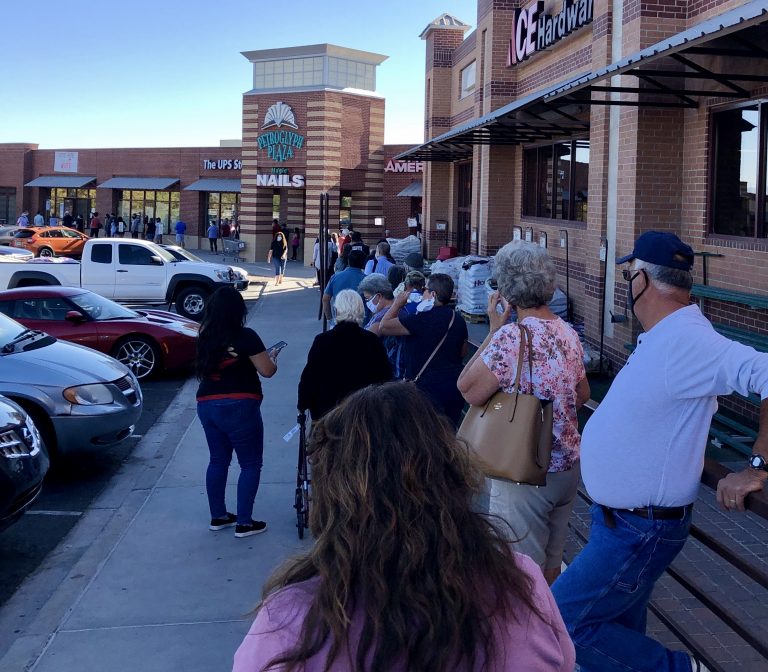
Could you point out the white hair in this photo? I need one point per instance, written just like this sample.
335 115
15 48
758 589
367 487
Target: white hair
525 274
665 279
349 307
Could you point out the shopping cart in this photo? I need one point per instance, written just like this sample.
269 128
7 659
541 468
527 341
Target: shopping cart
232 248
303 481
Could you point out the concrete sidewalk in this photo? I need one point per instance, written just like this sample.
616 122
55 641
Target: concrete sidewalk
152 588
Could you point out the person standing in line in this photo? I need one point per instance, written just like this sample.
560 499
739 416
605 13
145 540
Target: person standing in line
537 516
67 220
159 230
295 242
278 256
120 227
349 278
405 574
642 454
213 237
230 359
80 224
226 229
149 227
275 228
23 219
181 229
135 224
95 225
321 386
434 320
382 260
39 220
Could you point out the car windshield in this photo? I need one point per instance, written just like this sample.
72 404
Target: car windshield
9 329
99 308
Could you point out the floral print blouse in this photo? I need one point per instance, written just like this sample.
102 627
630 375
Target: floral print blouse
558 366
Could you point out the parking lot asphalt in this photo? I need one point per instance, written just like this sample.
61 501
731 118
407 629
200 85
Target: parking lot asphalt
139 582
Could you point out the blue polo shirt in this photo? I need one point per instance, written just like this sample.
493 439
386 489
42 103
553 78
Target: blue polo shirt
349 278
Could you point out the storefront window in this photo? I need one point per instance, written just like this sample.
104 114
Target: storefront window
737 205
345 209
7 206
276 206
74 201
222 205
149 204
556 180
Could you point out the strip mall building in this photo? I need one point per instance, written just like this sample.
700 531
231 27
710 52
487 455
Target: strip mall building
579 124
311 124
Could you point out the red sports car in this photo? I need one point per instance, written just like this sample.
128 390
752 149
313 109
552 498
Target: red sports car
144 340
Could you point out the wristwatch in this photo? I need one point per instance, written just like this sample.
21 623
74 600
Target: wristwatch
758 462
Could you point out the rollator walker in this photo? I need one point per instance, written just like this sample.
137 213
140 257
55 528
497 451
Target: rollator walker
303 481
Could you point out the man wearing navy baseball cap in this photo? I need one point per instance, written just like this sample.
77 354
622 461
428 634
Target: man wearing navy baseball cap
642 454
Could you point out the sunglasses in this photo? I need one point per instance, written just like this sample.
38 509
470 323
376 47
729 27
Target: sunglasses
628 275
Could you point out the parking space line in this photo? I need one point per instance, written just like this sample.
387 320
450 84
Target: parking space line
34 512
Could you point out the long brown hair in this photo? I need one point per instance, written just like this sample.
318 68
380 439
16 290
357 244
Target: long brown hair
398 544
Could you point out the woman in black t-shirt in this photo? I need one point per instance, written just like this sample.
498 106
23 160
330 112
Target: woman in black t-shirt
278 255
230 358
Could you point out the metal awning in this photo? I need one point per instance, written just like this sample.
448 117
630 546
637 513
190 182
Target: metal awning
413 190
66 181
150 183
215 185
725 56
527 119
721 57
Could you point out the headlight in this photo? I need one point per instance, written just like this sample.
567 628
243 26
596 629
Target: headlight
89 395
223 275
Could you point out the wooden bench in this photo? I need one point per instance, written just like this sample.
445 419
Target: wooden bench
755 301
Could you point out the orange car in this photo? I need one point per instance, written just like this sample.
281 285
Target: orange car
50 241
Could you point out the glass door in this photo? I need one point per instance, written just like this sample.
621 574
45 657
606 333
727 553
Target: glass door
464 214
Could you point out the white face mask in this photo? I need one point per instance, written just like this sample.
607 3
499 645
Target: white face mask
425 305
371 304
415 296
279 239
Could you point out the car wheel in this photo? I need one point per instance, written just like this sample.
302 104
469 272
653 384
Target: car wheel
45 252
139 353
190 302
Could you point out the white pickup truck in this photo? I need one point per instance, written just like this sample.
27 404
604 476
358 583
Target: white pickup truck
127 270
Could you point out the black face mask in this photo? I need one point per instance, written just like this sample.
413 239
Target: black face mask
632 300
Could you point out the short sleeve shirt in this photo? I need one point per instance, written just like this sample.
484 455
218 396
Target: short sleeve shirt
426 329
558 366
349 278
236 377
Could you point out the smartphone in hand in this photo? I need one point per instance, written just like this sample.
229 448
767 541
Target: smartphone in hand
275 349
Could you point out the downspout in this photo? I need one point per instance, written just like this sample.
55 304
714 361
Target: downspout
612 203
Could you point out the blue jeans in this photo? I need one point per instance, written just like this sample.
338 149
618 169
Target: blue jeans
233 425
604 593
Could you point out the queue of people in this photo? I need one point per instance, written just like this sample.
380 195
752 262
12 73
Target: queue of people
422 563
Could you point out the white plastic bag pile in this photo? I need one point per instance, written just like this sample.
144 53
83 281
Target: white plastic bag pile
472 293
451 267
400 249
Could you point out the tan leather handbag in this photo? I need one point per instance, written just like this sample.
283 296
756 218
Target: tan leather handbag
512 433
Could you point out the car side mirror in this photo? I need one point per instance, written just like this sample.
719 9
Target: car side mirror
74 316
155 260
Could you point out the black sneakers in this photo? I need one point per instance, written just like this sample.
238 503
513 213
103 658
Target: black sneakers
254 527
221 523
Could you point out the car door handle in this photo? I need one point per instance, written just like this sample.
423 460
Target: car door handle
121 270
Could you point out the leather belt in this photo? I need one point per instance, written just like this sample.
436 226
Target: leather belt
648 512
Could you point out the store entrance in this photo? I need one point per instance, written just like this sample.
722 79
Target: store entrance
464 209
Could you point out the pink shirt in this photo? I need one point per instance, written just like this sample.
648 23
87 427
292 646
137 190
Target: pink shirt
531 645
558 366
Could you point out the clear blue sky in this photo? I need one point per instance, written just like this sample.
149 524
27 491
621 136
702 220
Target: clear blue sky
162 73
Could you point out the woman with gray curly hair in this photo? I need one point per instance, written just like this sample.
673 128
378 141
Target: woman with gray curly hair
321 386
526 279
